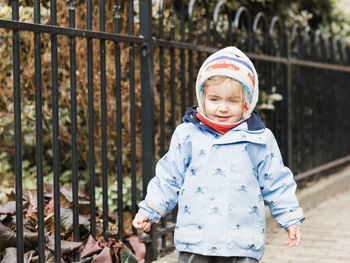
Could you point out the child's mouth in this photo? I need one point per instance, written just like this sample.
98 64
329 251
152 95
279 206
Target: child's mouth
222 118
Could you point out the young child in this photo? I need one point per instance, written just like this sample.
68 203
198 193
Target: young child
221 167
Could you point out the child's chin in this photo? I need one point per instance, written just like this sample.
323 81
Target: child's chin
224 120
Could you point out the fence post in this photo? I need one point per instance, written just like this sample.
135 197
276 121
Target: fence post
18 134
147 99
289 102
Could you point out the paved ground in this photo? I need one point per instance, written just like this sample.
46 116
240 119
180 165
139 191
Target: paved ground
326 236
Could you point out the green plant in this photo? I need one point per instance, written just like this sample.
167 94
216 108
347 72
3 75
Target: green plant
267 101
113 194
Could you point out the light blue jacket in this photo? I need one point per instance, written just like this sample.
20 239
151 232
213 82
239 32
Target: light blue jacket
220 183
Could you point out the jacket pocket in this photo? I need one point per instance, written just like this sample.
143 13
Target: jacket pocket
189 235
245 240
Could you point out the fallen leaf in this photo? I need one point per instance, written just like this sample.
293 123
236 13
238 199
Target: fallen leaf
9 208
49 208
11 196
138 247
29 256
10 255
91 247
104 256
67 219
66 199
126 255
66 246
31 197
7 237
31 237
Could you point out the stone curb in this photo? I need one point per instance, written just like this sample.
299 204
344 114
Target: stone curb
308 197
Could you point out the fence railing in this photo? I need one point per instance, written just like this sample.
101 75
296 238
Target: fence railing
155 62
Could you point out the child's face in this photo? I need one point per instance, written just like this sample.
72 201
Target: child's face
223 102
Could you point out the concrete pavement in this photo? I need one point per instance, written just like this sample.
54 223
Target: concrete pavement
325 232
325 236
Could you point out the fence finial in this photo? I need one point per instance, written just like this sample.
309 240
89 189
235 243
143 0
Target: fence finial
71 5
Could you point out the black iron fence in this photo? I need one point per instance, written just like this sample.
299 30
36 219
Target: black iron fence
163 52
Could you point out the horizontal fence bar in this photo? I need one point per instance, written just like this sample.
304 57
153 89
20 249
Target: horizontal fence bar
13 25
267 58
322 168
184 45
299 62
165 230
319 65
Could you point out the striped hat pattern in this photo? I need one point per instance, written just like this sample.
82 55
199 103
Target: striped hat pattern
233 63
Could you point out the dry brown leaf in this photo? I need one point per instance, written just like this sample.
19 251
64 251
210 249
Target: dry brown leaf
138 247
104 256
91 247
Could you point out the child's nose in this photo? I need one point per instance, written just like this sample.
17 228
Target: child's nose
223 106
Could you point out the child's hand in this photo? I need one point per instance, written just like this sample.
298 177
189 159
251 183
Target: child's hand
294 236
141 222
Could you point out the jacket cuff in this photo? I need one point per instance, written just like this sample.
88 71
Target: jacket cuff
298 223
295 217
150 213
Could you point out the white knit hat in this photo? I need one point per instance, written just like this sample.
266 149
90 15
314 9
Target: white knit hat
233 63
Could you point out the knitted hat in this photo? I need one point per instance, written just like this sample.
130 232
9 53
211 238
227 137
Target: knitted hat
233 63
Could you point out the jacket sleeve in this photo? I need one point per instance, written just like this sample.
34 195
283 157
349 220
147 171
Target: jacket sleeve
278 186
163 189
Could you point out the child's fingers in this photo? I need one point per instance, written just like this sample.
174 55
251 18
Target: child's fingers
291 232
298 236
145 223
292 243
148 227
140 222
141 226
288 242
294 236
137 224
